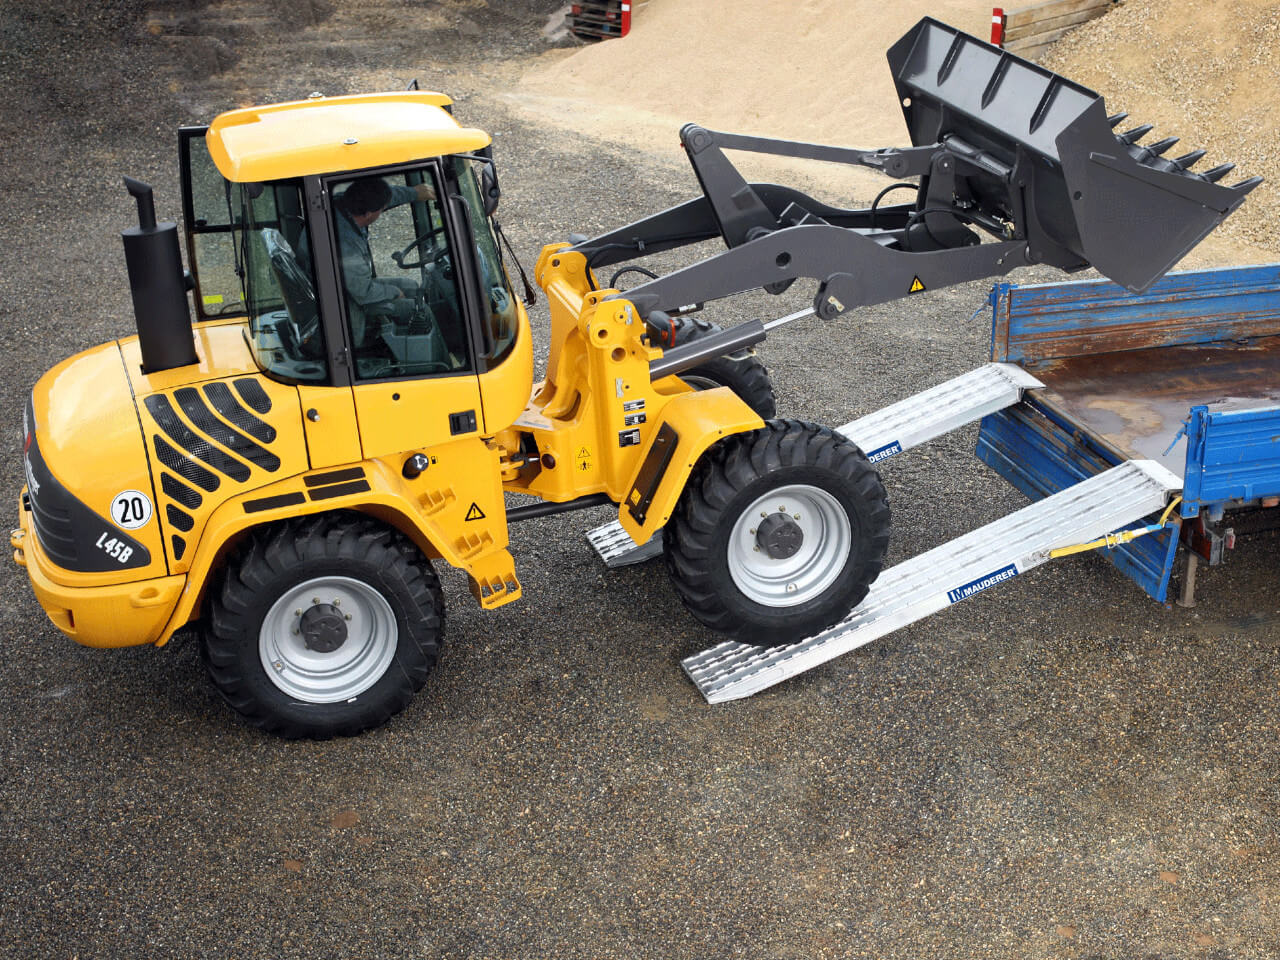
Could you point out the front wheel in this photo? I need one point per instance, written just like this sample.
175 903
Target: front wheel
779 533
324 627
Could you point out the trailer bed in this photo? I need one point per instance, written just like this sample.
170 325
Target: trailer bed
1186 374
1137 401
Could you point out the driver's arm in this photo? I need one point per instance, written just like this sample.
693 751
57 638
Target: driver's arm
402 194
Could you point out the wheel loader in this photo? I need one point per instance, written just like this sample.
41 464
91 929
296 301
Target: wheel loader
356 396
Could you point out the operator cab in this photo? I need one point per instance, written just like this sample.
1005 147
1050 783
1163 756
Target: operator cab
351 268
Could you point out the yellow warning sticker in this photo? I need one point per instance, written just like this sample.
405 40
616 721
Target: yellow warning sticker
583 459
475 513
211 298
916 286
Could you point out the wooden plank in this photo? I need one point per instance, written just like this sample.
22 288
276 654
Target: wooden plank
1029 51
1052 8
1033 47
1053 23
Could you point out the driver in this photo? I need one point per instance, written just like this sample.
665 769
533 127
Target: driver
357 207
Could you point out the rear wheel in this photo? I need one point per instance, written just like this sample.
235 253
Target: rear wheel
779 533
324 626
741 372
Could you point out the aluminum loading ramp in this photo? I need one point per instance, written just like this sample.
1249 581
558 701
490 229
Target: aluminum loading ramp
935 580
900 426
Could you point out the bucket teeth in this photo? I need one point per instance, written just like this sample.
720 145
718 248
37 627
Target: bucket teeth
1244 186
1218 172
1116 119
1136 134
1188 159
1161 146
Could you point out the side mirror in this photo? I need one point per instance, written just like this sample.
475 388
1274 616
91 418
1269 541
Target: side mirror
490 192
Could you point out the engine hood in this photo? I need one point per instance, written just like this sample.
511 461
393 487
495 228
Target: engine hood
221 351
88 481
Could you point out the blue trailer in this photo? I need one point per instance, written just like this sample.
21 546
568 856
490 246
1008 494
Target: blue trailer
1136 423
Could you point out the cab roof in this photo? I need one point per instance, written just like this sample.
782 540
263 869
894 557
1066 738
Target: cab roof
332 134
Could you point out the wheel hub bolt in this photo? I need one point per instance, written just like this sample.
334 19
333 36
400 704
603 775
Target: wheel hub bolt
779 536
323 628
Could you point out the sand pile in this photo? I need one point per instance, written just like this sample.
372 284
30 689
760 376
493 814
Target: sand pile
816 70
812 70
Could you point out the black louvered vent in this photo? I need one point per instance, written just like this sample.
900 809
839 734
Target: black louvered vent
199 447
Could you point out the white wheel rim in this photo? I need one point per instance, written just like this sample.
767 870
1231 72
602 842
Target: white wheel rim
788 581
328 676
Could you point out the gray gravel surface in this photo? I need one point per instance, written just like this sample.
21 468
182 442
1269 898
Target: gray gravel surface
1059 768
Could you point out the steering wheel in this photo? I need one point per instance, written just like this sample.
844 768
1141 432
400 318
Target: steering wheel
428 259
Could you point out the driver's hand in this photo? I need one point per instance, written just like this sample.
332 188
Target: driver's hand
425 192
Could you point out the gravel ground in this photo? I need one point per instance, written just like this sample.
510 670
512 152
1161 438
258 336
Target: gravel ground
1056 769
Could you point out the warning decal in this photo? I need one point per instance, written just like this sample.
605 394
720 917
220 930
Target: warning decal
583 459
475 513
916 286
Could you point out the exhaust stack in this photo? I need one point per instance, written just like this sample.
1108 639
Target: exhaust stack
158 285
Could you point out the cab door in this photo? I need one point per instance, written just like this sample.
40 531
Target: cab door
412 355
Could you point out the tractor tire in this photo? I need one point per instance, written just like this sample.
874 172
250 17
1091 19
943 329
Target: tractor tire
742 372
324 626
779 533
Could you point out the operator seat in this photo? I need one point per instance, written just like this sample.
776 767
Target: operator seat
300 336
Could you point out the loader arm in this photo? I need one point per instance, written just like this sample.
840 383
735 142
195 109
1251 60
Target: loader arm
1000 145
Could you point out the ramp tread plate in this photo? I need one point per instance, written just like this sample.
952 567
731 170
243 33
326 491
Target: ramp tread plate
945 575
939 410
616 548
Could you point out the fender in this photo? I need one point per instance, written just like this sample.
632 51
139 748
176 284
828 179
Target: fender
688 425
461 516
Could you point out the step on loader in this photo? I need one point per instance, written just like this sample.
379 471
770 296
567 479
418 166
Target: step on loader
357 395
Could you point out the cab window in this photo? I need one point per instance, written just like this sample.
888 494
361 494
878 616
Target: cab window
403 314
209 216
501 313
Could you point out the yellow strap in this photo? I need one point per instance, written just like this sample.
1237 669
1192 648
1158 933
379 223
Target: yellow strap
1115 539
